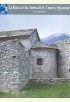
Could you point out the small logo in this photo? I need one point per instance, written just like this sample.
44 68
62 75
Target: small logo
3 8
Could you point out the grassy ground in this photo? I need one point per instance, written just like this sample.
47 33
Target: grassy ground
41 90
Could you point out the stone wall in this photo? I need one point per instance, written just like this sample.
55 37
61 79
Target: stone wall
52 80
63 58
14 66
48 69
26 42
29 40
34 38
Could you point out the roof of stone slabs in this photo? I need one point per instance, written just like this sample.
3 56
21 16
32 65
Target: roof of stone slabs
42 45
16 33
26 32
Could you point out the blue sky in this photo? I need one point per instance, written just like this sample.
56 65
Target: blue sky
45 24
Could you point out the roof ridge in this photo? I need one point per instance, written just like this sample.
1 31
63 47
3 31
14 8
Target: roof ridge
17 33
19 30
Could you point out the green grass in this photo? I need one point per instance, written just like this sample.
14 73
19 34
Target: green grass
41 90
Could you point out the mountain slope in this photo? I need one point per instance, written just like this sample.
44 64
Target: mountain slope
55 37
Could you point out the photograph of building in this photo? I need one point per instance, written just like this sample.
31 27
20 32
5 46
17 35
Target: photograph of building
23 57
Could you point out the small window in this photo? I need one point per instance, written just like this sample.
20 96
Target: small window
69 69
39 61
14 56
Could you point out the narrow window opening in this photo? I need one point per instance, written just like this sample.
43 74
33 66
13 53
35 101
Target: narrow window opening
69 69
14 56
39 61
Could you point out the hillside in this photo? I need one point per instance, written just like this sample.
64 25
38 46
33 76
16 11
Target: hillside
55 37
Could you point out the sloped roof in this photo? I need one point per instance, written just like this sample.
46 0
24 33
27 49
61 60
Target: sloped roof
26 32
39 44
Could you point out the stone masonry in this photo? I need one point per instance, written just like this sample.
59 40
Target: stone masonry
24 57
14 68
45 70
63 58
